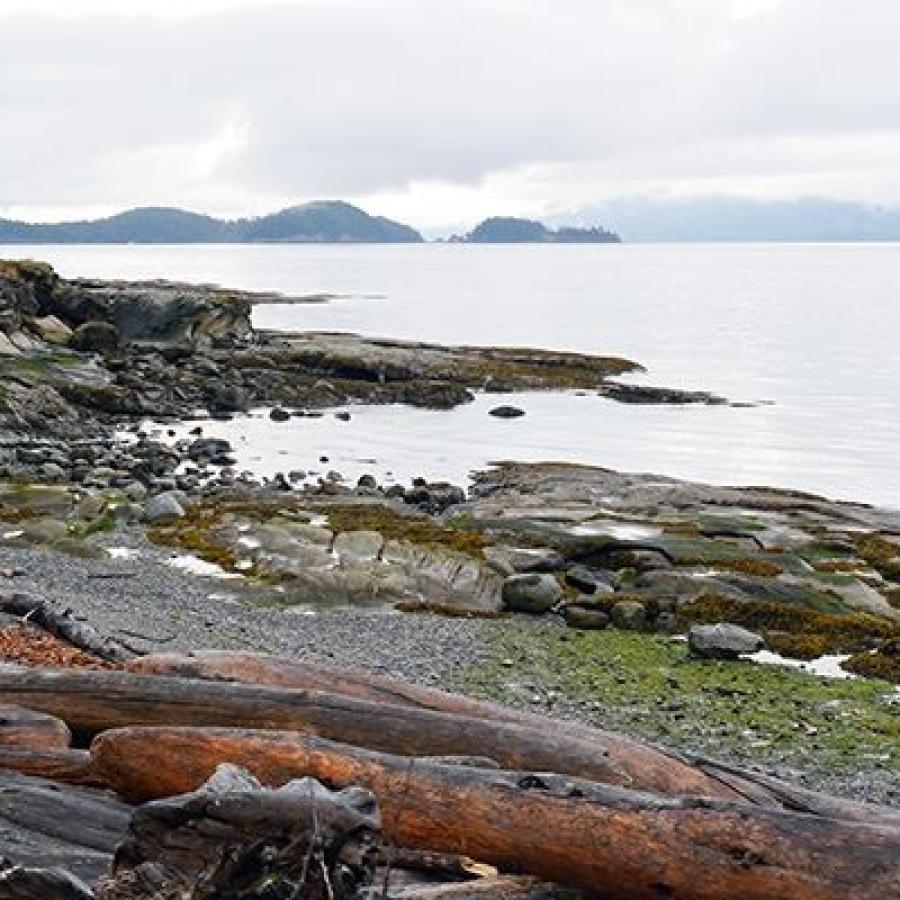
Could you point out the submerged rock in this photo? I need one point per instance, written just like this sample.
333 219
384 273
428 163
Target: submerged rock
507 412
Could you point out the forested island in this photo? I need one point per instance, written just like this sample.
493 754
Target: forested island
323 222
320 222
510 230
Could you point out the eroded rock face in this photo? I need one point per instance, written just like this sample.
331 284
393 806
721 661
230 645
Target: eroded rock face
158 312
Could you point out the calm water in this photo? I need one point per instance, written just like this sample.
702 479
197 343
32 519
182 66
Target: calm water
813 328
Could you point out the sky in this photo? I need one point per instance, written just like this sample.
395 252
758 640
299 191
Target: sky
440 112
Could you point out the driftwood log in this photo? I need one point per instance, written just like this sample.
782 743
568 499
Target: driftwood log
95 701
27 729
32 883
63 624
45 825
65 766
251 668
623 844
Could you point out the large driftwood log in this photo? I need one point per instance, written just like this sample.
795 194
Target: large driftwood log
44 824
96 701
251 668
62 623
27 729
622 844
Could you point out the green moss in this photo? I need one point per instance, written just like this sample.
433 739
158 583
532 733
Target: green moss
838 633
648 686
375 517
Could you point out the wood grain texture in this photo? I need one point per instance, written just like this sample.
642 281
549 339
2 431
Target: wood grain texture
624 844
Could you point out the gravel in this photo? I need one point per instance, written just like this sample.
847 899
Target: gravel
152 606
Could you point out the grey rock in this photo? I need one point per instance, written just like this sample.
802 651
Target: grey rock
163 508
629 615
584 618
517 560
533 593
358 545
723 641
588 581
96 337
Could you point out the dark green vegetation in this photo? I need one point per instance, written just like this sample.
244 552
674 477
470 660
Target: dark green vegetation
324 222
650 686
508 230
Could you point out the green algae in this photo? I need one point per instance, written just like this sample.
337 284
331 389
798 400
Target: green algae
837 632
649 686
393 526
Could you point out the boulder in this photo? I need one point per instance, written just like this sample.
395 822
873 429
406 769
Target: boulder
96 337
532 593
723 641
163 508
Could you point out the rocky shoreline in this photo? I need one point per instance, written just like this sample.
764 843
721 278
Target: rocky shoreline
631 602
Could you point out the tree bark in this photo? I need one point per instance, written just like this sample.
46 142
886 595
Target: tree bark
94 701
619 843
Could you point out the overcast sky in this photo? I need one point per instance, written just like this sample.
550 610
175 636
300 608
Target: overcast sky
442 111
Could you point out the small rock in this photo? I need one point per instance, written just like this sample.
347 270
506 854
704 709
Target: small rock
279 415
507 412
629 615
585 618
723 641
531 593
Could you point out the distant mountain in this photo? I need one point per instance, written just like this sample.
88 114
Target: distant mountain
508 230
728 218
321 222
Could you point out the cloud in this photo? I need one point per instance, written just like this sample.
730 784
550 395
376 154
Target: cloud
430 108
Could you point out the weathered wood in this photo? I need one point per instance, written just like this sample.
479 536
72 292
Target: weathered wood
61 623
233 838
26 729
94 701
44 825
65 766
23 883
252 668
623 844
